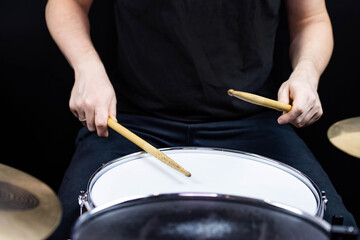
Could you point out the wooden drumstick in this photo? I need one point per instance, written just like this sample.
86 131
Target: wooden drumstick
147 147
258 100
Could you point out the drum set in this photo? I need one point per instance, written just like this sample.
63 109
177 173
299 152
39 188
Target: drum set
230 195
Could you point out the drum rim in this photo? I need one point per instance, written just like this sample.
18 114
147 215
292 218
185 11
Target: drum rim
316 221
319 196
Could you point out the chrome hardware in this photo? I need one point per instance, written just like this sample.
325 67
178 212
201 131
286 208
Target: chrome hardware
324 198
82 200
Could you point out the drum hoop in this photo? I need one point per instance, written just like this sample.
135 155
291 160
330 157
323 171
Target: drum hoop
265 160
279 207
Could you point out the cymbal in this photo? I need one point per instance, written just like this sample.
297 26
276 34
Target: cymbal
345 135
29 209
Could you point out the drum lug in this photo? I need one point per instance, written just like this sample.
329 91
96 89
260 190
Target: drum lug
324 198
83 199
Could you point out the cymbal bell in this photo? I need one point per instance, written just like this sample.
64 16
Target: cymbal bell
29 209
345 135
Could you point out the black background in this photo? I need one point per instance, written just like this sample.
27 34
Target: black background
38 129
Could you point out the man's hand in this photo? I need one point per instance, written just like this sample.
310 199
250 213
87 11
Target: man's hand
300 90
93 98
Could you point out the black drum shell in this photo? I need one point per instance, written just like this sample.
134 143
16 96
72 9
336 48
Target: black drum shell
195 218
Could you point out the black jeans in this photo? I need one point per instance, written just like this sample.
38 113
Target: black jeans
259 134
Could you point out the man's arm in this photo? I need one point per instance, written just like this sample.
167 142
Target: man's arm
310 51
92 97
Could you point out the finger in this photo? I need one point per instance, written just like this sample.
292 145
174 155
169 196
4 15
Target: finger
77 112
90 120
73 108
295 112
101 117
312 112
290 116
81 116
314 116
310 121
302 120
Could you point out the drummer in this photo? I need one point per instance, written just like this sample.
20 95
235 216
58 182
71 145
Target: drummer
175 62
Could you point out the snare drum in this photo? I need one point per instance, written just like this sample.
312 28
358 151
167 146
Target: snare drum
215 173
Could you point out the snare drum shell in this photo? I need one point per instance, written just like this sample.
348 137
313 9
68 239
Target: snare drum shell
179 217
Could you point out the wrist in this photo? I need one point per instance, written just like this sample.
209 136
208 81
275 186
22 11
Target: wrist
88 60
308 70
90 70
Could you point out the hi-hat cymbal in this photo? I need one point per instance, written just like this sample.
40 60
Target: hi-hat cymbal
345 135
29 209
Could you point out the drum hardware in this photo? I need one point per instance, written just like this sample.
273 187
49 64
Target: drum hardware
345 135
146 146
83 202
29 209
324 199
259 100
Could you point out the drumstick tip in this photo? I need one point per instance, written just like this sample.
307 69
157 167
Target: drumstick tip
231 92
188 174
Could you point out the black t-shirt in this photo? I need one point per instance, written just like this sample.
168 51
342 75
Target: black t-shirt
177 58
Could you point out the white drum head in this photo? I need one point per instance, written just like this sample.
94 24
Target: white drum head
214 172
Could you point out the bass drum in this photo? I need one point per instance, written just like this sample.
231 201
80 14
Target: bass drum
196 218
215 172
